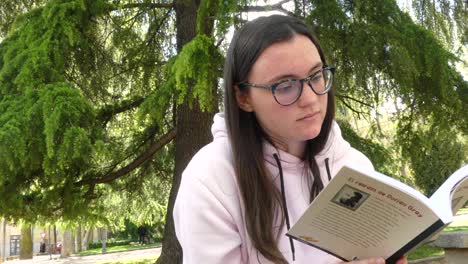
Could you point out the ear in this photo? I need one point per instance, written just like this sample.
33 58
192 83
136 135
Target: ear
243 100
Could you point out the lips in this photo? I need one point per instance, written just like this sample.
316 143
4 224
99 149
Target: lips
308 116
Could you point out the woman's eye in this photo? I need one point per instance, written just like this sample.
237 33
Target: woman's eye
285 87
316 77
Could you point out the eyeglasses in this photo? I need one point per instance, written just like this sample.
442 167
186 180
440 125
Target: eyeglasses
287 92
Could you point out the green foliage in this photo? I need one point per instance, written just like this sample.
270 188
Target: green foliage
56 131
146 205
438 154
444 17
158 103
10 9
381 158
68 93
198 64
383 56
48 136
138 200
380 53
41 42
129 231
87 86
108 244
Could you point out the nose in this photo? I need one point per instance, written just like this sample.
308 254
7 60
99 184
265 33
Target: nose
308 96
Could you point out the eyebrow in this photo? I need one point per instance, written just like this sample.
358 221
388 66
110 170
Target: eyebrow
284 76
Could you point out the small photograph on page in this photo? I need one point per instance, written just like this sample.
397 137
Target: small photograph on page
350 198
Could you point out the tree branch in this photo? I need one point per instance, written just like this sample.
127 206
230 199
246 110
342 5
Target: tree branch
149 5
148 154
276 7
158 27
353 99
359 113
108 111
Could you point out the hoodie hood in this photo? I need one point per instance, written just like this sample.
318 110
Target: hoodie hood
219 128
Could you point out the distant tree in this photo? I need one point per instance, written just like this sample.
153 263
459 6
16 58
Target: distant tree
440 153
26 242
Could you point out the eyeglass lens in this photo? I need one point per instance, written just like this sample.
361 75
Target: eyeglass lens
288 92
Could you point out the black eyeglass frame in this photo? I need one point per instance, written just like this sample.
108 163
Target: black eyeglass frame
272 87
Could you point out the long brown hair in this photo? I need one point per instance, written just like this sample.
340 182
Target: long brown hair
262 200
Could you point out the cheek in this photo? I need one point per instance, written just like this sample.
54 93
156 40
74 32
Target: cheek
272 116
263 103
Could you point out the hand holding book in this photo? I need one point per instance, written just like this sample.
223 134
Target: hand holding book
362 213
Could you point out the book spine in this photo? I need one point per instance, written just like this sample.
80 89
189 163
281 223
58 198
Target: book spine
416 241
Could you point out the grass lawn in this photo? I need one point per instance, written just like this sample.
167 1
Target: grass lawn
118 248
426 251
133 261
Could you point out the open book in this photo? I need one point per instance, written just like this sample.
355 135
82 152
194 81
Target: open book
362 213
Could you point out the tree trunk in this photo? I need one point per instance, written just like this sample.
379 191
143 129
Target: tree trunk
73 242
103 239
55 239
86 239
26 243
78 239
3 244
67 243
193 132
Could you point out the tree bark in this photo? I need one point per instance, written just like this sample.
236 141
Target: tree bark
26 243
103 239
78 237
193 132
87 237
3 244
67 243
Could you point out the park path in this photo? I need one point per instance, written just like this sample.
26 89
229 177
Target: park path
99 258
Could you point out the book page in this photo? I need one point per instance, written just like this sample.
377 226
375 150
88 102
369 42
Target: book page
360 216
459 196
453 191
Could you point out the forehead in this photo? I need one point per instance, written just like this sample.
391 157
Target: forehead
293 57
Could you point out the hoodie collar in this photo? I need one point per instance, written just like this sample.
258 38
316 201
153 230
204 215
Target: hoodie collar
335 145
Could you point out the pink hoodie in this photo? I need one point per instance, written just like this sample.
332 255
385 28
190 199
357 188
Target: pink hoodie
209 215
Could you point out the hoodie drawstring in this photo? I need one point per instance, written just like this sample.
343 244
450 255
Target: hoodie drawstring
283 196
286 214
328 169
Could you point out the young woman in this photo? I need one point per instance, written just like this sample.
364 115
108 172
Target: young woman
274 149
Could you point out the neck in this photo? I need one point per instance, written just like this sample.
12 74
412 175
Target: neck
294 148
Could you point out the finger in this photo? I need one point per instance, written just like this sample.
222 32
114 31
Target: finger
402 260
369 261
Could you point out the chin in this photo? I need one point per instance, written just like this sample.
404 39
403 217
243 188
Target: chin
313 134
